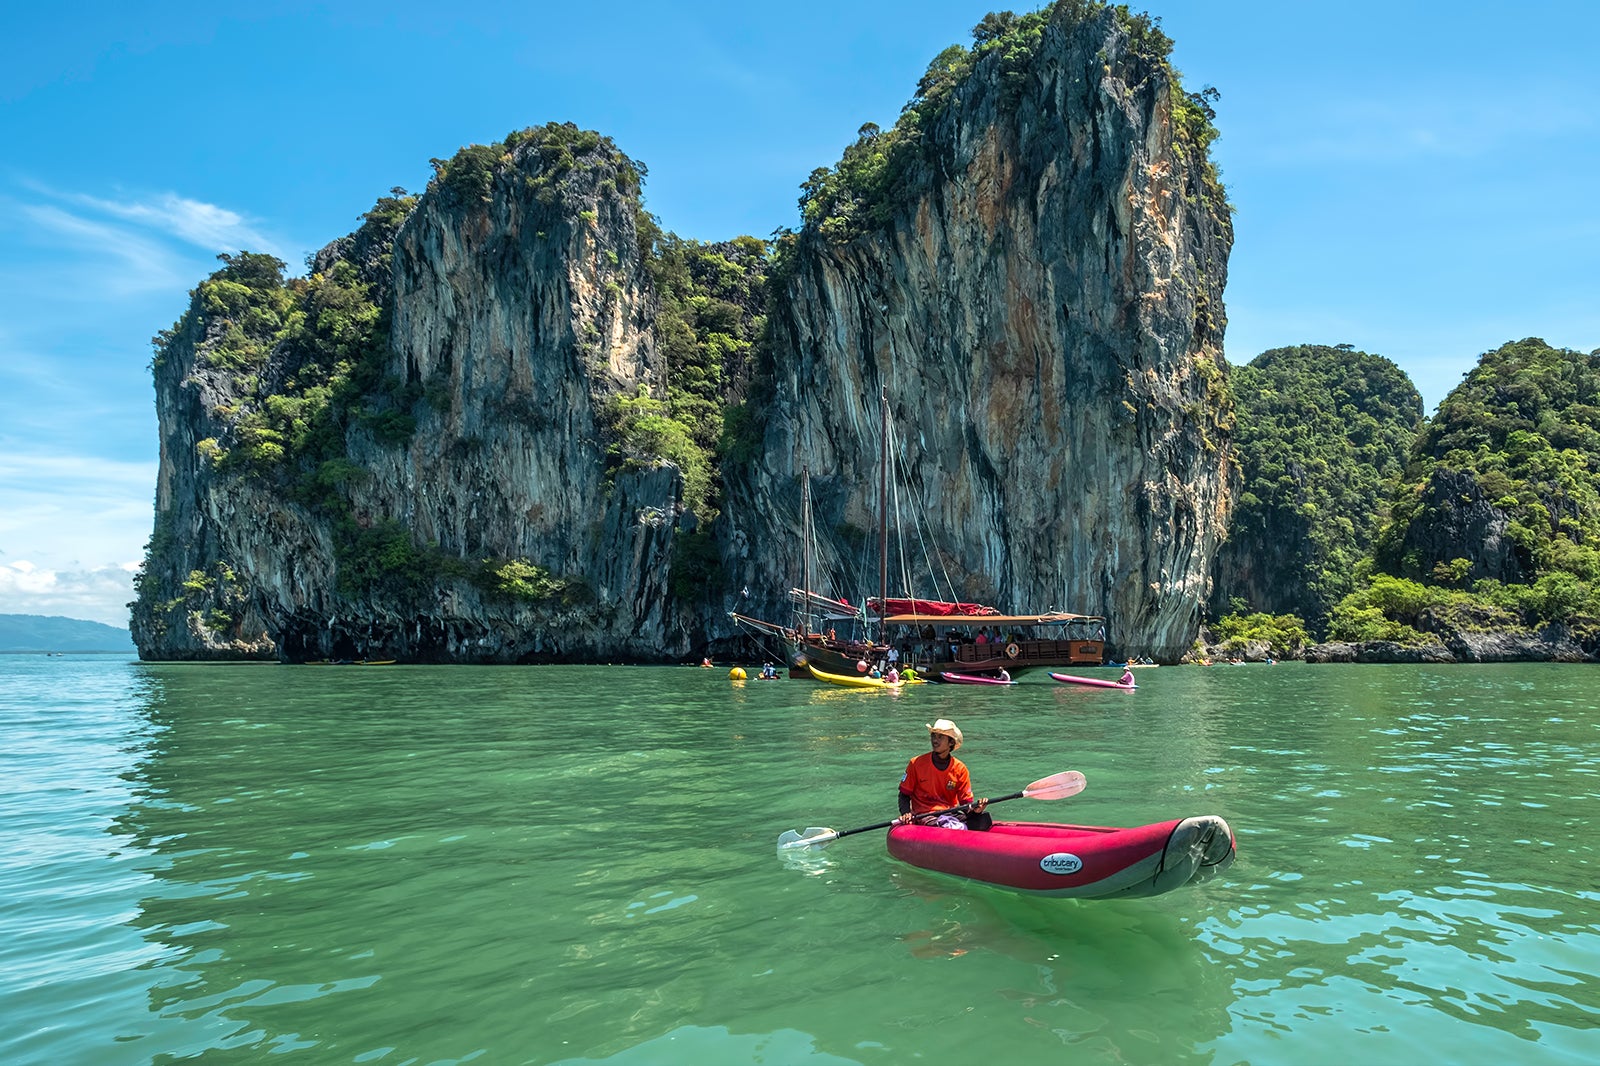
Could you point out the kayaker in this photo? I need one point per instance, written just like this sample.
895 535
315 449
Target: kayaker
1126 678
936 780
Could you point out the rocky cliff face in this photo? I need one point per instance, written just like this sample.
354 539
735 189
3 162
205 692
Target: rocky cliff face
1042 303
520 310
1045 314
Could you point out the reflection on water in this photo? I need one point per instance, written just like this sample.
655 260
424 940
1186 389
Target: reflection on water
578 865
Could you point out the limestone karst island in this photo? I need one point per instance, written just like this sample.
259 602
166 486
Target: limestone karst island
516 419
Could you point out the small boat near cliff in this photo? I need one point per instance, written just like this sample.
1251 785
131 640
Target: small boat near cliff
351 662
972 679
1099 682
1074 861
853 680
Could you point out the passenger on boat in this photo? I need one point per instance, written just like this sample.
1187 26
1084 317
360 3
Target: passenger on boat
1005 675
1126 678
892 676
936 780
769 672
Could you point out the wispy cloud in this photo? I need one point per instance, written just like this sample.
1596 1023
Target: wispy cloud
204 225
167 214
61 241
143 264
72 530
98 595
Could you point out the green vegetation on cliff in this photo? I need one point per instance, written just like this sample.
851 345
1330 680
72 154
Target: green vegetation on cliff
711 323
1502 493
328 338
1321 434
1284 634
711 328
878 173
1407 612
1492 524
543 154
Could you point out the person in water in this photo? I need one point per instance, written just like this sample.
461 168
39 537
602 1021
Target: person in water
935 780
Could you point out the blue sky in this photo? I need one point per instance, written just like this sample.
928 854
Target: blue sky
1418 180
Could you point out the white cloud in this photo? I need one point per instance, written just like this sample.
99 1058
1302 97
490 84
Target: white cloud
97 595
72 530
205 225
145 265
122 246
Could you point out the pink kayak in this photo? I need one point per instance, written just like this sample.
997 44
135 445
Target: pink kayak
1081 861
971 679
1074 679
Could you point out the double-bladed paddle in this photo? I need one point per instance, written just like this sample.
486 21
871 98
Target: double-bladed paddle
1055 787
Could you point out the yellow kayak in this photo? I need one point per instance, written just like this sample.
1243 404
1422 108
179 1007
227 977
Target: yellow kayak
863 681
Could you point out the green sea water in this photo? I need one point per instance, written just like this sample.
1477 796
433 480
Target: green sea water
576 865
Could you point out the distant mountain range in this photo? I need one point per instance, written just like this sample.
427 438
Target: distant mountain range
37 632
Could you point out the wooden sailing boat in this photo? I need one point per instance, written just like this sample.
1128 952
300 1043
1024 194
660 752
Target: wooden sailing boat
935 636
804 642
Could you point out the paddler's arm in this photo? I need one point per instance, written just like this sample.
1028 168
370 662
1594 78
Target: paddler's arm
905 807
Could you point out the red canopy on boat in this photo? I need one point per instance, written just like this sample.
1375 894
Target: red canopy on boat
941 608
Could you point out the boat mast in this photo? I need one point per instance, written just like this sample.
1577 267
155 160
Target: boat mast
805 527
883 517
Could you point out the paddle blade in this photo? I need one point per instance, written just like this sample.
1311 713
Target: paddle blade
1057 786
811 836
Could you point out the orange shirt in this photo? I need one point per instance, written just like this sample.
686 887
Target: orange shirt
932 789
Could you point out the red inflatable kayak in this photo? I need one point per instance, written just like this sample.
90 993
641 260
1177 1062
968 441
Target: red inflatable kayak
1082 861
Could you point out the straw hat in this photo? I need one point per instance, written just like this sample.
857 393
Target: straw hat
948 728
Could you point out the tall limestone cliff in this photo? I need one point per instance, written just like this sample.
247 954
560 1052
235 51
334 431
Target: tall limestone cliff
1037 285
446 443
426 479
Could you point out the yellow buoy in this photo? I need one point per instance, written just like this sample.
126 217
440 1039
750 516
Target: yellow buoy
736 674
